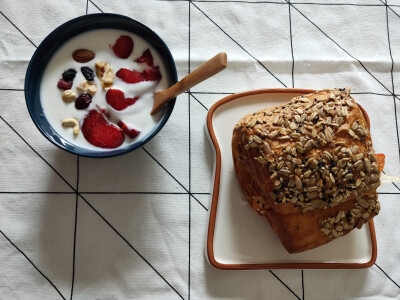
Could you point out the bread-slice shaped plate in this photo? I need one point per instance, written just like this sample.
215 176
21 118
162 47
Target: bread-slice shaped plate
237 238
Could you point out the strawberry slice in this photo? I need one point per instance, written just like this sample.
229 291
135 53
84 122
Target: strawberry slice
146 58
131 132
116 99
129 76
151 74
123 47
100 133
104 111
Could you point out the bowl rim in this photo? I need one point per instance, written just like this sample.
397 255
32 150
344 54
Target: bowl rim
98 153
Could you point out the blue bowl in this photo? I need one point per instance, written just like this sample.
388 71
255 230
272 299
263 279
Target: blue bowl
61 35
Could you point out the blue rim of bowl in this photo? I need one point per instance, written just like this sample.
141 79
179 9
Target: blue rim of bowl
133 27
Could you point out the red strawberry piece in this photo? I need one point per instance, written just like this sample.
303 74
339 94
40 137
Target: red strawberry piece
116 99
146 58
129 76
152 74
131 132
64 85
100 133
104 111
123 46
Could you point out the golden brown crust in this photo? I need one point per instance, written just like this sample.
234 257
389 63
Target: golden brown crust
308 161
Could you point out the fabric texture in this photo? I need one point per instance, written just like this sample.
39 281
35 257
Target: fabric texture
138 229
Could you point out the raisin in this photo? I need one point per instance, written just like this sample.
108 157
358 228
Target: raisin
83 101
88 73
69 75
64 85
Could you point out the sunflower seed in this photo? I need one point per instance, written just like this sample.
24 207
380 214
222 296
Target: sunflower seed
351 132
276 120
358 182
365 215
354 126
374 177
253 145
273 134
349 103
325 231
328 134
257 139
359 131
267 149
317 203
312 188
362 202
309 144
355 149
285 137
252 123
367 165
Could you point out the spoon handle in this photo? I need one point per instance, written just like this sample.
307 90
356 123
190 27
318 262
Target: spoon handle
206 70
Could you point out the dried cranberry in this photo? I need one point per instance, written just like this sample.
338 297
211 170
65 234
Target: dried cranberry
83 101
64 85
69 75
87 73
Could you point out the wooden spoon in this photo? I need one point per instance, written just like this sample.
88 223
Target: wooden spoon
206 70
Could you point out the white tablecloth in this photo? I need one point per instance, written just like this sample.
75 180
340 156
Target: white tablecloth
138 229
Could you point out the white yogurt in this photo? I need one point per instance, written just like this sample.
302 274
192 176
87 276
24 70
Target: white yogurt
136 116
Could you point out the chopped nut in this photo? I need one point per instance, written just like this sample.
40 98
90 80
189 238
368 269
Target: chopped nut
71 122
105 73
68 96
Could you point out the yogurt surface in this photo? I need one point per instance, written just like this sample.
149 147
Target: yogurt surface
100 41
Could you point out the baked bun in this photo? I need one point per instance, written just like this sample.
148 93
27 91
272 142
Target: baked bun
308 166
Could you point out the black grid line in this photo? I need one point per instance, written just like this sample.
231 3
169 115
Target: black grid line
104 193
232 39
387 276
18 29
130 245
392 182
75 227
190 152
172 175
28 259
189 192
302 283
72 188
280 3
291 43
344 50
290 290
391 75
96 6
205 107
14 90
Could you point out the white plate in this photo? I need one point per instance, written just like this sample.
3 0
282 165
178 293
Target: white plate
237 237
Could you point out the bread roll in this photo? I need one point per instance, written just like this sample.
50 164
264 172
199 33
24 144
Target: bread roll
308 166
